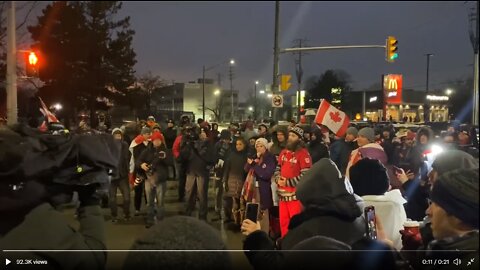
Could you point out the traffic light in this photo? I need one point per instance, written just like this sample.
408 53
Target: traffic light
392 48
32 65
285 84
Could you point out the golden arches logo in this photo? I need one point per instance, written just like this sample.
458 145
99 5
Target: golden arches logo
393 84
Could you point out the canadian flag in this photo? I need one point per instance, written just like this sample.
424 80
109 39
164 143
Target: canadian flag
331 117
50 117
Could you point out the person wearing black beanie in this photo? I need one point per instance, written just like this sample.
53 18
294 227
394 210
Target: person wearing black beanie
454 216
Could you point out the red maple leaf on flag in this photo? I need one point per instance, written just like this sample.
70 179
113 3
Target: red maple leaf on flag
335 116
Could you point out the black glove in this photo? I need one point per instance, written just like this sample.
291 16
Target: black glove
88 195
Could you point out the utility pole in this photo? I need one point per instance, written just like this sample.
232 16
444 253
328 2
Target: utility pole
474 39
12 116
275 56
426 109
299 73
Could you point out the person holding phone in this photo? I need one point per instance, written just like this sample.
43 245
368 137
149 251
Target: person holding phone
153 162
262 168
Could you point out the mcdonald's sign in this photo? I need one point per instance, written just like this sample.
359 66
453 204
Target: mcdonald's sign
392 88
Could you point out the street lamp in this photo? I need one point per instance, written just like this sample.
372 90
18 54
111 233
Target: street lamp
449 92
262 92
255 104
232 62
203 82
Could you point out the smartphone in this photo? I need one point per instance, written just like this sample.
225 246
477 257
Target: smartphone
369 212
252 211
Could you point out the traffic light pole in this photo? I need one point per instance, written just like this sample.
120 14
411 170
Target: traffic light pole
12 116
330 48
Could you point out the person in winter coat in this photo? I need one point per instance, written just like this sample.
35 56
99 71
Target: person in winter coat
120 179
136 175
341 149
279 140
454 222
316 146
293 163
222 150
233 179
214 135
418 193
263 132
329 210
153 162
200 158
367 148
262 169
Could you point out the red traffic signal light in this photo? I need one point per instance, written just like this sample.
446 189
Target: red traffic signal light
32 65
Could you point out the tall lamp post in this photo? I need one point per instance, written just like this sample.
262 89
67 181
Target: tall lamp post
217 93
255 104
426 109
232 62
205 69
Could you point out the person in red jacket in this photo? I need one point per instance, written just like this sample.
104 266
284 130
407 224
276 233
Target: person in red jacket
293 162
179 167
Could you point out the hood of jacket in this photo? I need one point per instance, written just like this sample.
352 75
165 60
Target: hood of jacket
322 190
276 129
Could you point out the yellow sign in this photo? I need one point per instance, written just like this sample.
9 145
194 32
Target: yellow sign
285 84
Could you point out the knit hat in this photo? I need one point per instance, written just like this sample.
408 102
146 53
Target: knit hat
151 118
457 193
179 233
452 160
262 141
157 135
225 135
369 177
353 131
116 130
368 133
298 131
146 130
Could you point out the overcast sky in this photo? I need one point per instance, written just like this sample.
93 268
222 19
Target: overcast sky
175 39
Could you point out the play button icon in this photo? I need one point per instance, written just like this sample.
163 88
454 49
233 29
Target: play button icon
7 261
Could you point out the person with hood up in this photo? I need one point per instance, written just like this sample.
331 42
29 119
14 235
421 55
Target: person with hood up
120 179
316 146
293 163
233 178
263 132
174 235
329 210
153 162
279 140
367 148
260 171
249 131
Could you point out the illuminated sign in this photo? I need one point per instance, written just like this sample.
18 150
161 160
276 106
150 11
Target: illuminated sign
392 88
437 98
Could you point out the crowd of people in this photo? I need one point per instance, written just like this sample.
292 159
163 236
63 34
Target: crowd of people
311 187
